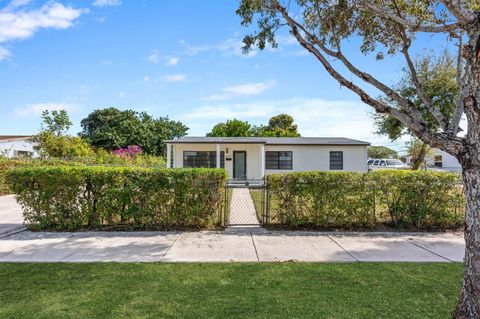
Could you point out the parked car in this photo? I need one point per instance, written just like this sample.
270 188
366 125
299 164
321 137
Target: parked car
385 163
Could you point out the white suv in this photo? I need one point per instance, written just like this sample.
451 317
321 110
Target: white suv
385 163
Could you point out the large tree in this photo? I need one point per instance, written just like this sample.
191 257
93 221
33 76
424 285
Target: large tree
278 126
381 152
389 27
437 77
112 128
232 128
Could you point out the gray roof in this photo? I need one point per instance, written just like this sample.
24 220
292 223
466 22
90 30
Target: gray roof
268 140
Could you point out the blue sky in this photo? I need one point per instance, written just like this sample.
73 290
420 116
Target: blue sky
177 58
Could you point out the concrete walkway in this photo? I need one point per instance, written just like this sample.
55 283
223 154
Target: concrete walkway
239 245
242 209
243 244
11 220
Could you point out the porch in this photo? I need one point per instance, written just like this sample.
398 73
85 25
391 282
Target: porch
243 162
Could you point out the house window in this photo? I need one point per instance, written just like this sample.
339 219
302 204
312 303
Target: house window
22 154
438 161
278 160
336 160
195 159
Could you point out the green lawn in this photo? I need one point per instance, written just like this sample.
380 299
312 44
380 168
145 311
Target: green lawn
261 290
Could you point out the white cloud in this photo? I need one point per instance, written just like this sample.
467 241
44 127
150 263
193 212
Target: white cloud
314 117
36 109
171 61
231 46
4 53
121 94
173 78
107 3
245 89
146 78
154 57
16 24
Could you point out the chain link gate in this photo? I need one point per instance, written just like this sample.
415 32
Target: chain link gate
245 203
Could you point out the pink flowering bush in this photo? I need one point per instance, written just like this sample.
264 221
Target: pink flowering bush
131 151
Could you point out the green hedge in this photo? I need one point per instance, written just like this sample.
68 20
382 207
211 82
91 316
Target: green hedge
9 163
328 200
94 197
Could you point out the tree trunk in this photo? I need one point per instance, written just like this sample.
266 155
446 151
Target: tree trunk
469 157
420 158
469 304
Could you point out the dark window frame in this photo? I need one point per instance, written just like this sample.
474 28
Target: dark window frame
203 159
274 161
336 160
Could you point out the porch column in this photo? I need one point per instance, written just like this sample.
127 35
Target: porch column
262 159
218 155
174 155
169 155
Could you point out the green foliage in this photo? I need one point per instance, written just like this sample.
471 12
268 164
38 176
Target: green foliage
112 128
87 197
231 128
55 122
100 158
381 152
278 126
50 145
438 78
401 198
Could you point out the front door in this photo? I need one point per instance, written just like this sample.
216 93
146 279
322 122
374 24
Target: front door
240 165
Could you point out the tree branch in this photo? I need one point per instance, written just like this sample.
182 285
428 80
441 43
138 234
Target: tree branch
414 77
407 23
454 125
457 10
440 140
407 105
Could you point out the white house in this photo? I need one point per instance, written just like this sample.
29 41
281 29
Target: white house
439 160
254 157
16 146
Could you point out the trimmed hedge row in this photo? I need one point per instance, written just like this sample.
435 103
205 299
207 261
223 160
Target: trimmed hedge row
94 197
9 163
404 199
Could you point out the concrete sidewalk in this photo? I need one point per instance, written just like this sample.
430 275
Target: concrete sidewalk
237 245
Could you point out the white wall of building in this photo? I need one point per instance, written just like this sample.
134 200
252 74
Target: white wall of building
11 148
304 157
449 162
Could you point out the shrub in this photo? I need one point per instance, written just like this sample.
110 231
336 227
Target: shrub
75 197
366 200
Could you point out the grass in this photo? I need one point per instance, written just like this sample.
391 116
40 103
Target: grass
235 290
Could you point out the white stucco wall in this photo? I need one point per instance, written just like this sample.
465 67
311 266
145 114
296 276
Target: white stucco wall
305 158
8 148
317 158
449 162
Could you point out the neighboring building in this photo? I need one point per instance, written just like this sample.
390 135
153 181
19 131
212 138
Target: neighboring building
16 146
254 157
439 160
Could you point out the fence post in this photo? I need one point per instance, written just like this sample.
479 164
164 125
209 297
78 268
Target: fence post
267 205
225 207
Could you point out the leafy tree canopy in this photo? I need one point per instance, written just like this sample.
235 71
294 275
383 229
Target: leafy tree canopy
381 152
55 122
112 128
278 126
231 128
438 78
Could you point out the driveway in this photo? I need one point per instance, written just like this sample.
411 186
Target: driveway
247 244
10 216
